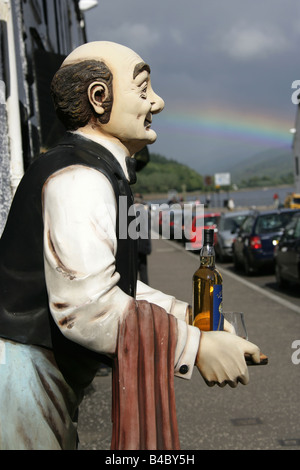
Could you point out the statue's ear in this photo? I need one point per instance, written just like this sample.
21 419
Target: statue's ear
98 93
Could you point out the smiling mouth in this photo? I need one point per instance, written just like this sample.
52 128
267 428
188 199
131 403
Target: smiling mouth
148 121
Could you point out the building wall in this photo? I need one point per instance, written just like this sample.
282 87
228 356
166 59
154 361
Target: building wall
44 31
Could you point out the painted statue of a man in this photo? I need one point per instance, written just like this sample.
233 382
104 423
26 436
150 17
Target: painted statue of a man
69 295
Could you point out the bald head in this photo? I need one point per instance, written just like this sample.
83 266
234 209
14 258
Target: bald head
94 61
123 83
106 51
69 89
114 55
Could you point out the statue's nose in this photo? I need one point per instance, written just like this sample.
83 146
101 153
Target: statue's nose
157 103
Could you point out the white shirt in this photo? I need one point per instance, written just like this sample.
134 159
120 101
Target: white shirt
80 246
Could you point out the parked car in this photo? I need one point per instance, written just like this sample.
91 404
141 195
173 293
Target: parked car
170 223
287 254
228 226
257 237
211 220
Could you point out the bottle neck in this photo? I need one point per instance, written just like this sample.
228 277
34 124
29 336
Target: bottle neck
207 255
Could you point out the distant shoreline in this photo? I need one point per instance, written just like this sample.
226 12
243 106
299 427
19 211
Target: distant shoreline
164 196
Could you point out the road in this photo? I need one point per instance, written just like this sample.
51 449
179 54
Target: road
265 414
266 280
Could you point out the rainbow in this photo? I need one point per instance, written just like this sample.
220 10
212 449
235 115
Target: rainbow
227 124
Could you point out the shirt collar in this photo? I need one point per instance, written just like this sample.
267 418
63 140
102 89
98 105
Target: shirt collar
119 153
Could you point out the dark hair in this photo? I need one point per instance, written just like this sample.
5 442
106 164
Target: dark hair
69 92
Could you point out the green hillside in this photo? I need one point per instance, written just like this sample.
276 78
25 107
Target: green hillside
269 168
162 174
273 167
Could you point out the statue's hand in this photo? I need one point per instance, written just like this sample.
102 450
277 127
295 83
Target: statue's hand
221 358
228 327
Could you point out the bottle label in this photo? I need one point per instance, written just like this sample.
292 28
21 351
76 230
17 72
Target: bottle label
218 321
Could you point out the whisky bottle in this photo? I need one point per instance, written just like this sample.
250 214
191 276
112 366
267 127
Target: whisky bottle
207 288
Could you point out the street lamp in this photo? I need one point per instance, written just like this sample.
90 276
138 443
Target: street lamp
85 5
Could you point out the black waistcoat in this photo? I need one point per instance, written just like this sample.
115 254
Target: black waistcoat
24 310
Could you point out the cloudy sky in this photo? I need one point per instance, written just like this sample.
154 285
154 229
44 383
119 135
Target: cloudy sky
225 69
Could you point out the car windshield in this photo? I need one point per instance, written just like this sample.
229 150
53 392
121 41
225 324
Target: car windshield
211 220
272 222
286 217
233 223
208 221
296 200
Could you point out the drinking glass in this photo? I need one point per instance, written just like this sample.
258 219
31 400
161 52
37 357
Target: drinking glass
236 323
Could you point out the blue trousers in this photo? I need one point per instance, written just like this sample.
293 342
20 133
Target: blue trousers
36 404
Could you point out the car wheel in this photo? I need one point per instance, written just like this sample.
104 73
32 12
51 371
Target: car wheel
247 266
219 255
236 263
281 283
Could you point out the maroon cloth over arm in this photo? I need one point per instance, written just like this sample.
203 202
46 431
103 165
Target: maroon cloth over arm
143 407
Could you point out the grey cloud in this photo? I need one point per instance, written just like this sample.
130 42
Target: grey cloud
223 54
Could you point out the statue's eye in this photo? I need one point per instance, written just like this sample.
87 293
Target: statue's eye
144 92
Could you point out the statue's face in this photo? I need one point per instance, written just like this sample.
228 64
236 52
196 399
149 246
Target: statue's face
134 101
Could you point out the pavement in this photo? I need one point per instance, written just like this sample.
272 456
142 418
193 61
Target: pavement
263 415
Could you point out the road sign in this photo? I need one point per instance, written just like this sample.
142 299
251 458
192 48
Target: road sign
222 179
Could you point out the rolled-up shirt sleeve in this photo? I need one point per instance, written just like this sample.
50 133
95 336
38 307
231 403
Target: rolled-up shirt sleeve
80 245
188 339
188 336
168 302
